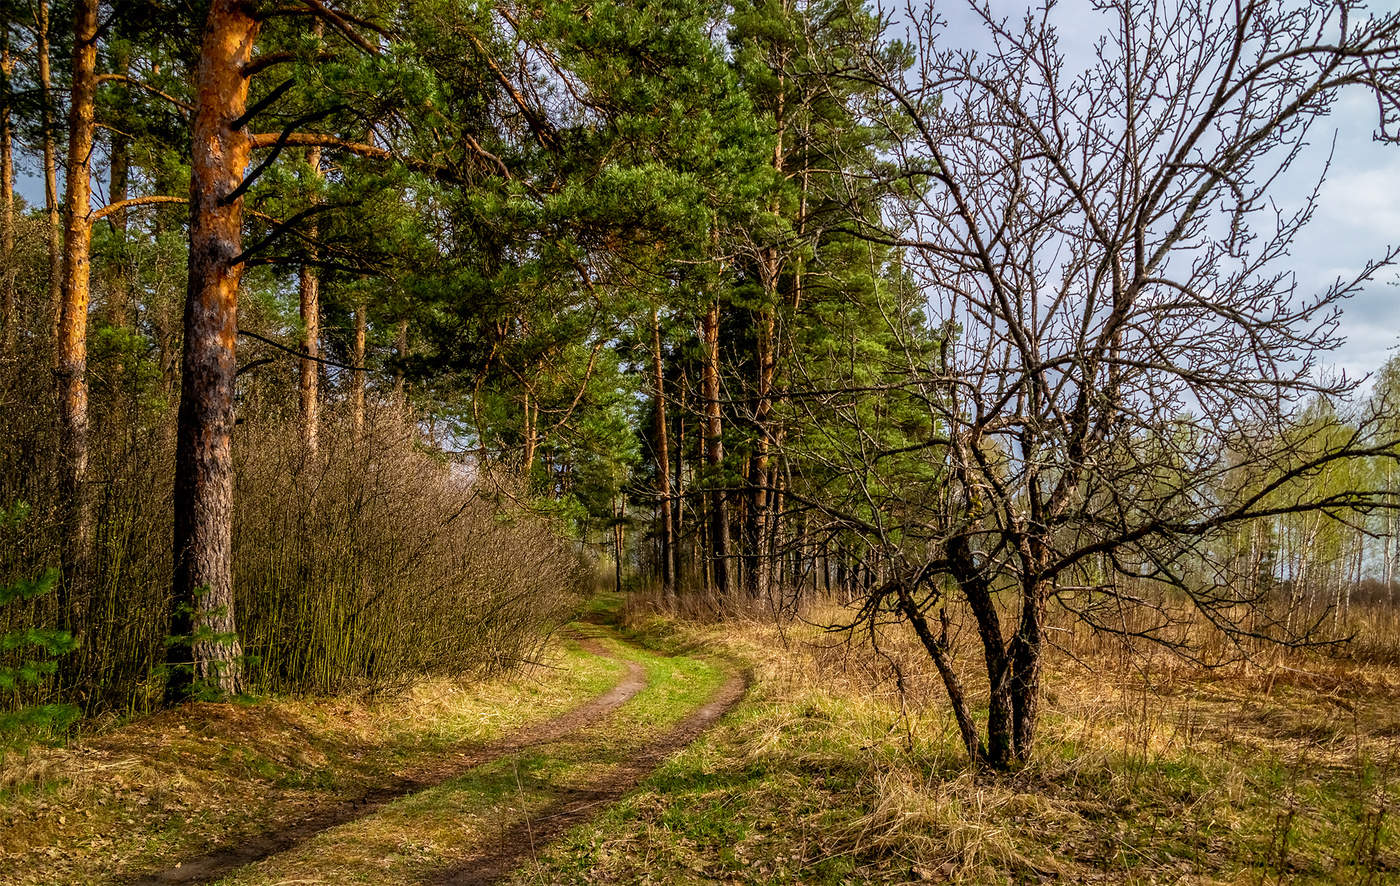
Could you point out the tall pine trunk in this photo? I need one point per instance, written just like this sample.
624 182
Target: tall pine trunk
310 290
714 453
71 373
119 307
50 152
663 462
9 318
759 576
357 375
206 646
679 499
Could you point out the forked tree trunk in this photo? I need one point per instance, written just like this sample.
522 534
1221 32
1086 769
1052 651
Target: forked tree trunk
1025 659
663 462
71 373
310 286
206 647
714 452
937 648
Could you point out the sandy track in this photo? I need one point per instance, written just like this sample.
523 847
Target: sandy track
221 861
576 805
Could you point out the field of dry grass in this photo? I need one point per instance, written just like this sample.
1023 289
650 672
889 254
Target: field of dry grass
1149 770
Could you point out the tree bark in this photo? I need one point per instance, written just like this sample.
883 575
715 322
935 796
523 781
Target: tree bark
71 372
118 296
714 452
206 647
679 499
310 289
663 462
1025 659
401 352
1000 749
50 152
8 313
760 567
527 457
357 387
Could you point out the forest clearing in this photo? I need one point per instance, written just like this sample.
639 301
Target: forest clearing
669 441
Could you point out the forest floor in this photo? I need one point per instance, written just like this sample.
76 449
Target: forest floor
614 763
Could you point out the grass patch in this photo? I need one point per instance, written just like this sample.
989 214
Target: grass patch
826 774
446 825
175 784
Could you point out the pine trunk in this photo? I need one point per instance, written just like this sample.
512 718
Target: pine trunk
207 648
71 373
357 390
714 453
678 508
760 567
119 295
9 319
310 288
663 462
50 152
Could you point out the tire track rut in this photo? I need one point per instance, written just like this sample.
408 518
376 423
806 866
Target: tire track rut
574 806
224 860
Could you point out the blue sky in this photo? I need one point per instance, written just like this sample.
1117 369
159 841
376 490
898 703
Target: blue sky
1358 212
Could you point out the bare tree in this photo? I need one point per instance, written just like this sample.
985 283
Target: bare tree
1121 342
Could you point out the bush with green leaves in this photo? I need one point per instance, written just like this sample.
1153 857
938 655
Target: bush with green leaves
29 655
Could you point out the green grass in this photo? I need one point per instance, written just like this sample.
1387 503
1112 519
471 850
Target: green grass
443 826
146 793
821 777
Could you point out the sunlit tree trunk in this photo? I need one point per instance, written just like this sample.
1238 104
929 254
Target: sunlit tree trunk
206 647
357 375
714 452
310 290
50 152
71 372
663 460
8 311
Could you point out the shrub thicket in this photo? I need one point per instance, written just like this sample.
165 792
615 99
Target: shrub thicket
373 560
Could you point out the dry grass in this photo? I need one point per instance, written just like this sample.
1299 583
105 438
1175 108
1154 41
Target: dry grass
142 794
1149 769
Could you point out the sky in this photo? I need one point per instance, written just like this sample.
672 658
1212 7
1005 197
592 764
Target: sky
1358 211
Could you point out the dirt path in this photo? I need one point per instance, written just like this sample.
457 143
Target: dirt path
576 805
220 862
